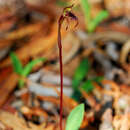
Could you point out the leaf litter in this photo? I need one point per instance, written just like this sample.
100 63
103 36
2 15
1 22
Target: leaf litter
102 83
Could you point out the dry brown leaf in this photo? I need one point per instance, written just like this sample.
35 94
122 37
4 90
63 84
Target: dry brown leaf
49 99
125 52
6 24
38 45
4 73
24 31
4 43
115 7
16 123
20 33
127 8
7 87
34 111
118 7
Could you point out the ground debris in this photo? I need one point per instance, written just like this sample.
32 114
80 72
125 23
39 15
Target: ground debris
10 121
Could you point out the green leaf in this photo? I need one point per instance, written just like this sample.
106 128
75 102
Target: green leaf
99 18
87 86
21 83
75 83
76 95
92 24
27 69
16 63
80 73
75 118
98 79
87 10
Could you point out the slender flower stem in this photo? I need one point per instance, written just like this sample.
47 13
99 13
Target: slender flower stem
66 14
61 73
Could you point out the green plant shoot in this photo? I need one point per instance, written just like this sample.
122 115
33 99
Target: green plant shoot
16 63
75 118
79 75
23 71
78 80
98 79
87 86
91 24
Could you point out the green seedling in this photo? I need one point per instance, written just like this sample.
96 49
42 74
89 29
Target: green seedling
23 71
98 79
79 80
91 24
79 75
75 118
87 86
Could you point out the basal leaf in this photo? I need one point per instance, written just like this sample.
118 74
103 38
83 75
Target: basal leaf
87 10
75 83
92 23
21 83
75 118
99 18
98 79
76 95
79 75
80 72
27 69
16 63
87 86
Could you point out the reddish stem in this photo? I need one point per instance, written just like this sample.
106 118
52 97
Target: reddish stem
61 69
66 14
